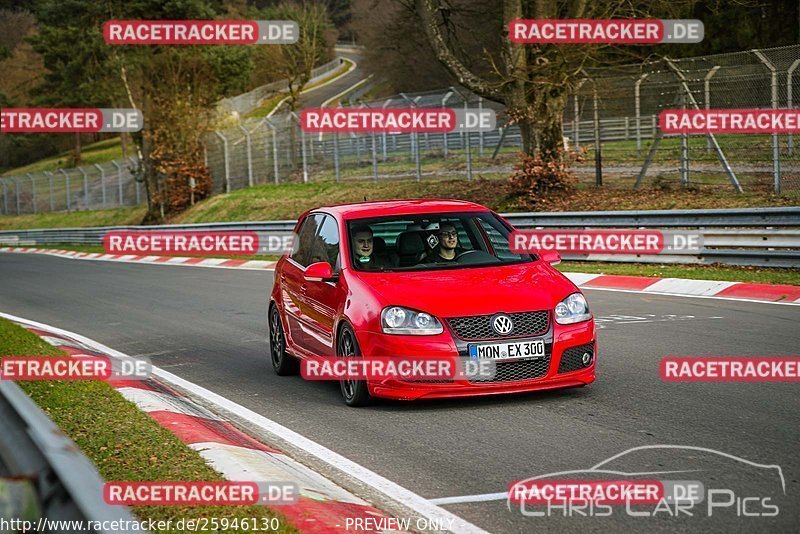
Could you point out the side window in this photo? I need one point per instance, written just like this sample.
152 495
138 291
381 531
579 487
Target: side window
306 237
328 242
499 241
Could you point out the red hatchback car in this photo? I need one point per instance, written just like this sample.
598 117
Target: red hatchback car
427 278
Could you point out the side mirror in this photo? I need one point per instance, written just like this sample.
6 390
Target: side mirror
319 272
550 256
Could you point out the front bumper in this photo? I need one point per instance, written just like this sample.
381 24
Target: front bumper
558 339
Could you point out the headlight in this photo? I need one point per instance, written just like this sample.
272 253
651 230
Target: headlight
572 309
399 320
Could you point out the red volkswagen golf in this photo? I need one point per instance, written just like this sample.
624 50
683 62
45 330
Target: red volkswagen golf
427 278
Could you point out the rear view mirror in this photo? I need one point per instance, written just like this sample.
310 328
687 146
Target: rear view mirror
319 272
550 256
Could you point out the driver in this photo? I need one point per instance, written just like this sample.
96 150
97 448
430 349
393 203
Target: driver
447 250
364 248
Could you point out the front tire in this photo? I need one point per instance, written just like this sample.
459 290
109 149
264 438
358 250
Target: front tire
282 363
355 392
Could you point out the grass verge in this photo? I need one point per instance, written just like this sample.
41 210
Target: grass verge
99 152
728 273
124 443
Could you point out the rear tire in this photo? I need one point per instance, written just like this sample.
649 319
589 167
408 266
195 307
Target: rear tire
283 363
355 392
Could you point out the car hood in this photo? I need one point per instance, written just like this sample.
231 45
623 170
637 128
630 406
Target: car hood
473 291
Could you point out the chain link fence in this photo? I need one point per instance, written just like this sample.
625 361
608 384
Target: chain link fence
611 118
89 187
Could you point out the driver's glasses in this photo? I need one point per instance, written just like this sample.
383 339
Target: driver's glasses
448 234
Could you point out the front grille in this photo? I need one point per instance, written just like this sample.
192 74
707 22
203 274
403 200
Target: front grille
477 327
518 371
571 359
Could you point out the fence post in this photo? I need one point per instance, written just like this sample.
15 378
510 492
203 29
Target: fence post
684 164
302 146
135 165
226 161
598 158
85 188
274 149
480 133
16 192
637 102
374 150
445 98
118 165
576 115
336 155
102 182
50 182
414 140
69 193
707 93
383 135
5 197
249 146
33 190
789 74
776 162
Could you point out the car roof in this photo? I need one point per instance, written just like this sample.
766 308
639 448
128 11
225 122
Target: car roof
379 208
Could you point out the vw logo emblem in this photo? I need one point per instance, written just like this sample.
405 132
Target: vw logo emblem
502 324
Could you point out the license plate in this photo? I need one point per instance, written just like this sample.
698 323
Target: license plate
533 350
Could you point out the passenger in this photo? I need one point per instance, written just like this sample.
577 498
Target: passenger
363 244
447 250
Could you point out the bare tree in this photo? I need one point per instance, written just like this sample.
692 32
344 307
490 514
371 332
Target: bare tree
533 81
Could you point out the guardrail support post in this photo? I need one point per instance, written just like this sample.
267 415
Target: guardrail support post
776 162
33 190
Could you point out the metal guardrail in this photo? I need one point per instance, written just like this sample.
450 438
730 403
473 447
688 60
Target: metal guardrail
768 237
33 448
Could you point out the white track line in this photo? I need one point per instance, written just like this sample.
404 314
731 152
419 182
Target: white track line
382 485
646 293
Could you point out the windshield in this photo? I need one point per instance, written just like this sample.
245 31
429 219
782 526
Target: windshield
430 241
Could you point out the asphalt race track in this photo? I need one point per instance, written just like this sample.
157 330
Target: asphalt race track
209 326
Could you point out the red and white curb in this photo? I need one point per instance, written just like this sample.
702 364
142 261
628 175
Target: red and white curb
679 287
219 263
323 506
775 293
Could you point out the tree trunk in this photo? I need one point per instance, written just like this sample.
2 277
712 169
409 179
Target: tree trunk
549 105
155 200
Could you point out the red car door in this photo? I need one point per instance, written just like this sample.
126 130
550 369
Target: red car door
322 298
294 284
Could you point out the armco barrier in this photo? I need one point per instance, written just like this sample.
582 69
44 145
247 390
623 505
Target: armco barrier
32 448
767 237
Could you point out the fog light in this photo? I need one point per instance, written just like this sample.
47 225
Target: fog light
586 358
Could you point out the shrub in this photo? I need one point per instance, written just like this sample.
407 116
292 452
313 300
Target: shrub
536 179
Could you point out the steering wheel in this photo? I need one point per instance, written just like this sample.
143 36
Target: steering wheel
464 254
